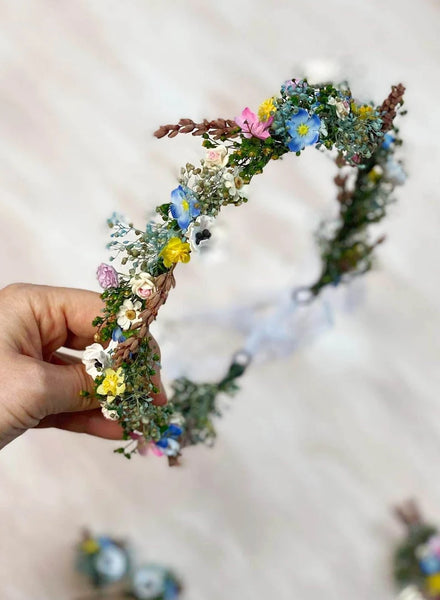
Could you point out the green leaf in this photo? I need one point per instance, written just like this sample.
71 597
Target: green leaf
164 210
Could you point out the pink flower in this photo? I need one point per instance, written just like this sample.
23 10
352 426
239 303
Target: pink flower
216 157
107 276
290 85
155 450
143 285
252 126
434 545
143 446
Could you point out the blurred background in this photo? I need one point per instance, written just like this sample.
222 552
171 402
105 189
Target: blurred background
294 500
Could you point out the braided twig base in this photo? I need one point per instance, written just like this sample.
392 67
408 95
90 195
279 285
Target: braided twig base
164 283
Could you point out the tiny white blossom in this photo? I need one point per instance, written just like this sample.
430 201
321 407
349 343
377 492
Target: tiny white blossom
111 562
323 129
148 582
96 360
342 107
128 314
234 184
410 593
199 233
172 448
111 415
394 173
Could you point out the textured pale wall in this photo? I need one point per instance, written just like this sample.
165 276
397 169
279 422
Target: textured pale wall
294 499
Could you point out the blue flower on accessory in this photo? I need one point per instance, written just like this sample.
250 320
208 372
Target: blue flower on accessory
104 541
184 206
171 590
168 443
430 564
117 335
303 130
387 141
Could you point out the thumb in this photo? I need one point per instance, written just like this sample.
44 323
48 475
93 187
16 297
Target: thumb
64 387
64 384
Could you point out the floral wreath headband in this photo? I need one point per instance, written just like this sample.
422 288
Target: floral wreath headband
416 564
326 116
111 568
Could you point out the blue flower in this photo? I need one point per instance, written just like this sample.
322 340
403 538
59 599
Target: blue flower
169 443
303 130
117 335
171 589
184 206
387 141
105 541
430 564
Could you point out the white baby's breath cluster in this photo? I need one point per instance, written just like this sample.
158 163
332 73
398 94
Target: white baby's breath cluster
214 183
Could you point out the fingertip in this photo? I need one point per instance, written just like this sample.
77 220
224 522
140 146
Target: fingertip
160 399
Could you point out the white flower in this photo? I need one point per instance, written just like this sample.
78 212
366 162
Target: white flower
234 184
394 173
111 562
172 448
216 157
111 415
143 285
96 360
128 314
200 232
177 419
148 582
342 107
410 593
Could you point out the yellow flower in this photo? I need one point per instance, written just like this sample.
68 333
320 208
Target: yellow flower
90 546
364 111
266 109
175 251
112 385
433 582
375 174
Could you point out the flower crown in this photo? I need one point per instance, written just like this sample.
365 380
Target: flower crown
110 566
417 558
362 137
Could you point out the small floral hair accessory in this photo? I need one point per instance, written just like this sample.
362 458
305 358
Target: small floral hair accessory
363 140
102 559
417 558
109 565
154 582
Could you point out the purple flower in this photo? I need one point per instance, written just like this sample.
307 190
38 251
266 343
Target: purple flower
290 85
252 126
107 276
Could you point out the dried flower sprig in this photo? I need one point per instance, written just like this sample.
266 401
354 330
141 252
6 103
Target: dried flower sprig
390 105
220 129
324 116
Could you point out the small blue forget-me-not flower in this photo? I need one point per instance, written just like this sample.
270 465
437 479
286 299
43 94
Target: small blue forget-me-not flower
303 130
183 206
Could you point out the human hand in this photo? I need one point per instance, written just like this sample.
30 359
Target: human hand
41 387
